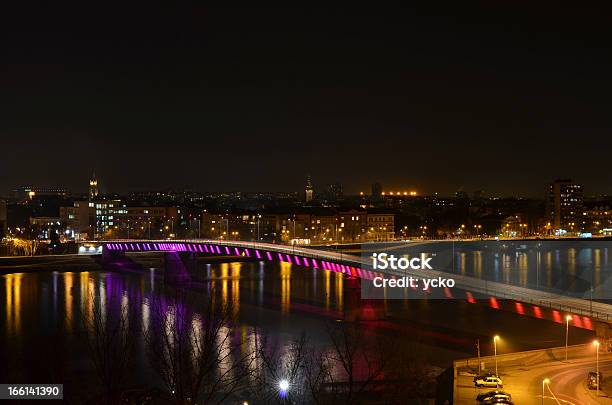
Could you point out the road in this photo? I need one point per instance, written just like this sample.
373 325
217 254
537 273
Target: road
524 382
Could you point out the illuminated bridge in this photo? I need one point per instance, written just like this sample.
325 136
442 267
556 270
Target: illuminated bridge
357 267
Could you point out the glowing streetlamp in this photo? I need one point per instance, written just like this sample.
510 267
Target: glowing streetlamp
567 321
544 382
495 339
283 387
596 344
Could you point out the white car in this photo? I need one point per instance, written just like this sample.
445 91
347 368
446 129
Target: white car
491 381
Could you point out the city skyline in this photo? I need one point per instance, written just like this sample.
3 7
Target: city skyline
255 98
316 188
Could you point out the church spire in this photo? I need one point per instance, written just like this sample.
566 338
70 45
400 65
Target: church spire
93 186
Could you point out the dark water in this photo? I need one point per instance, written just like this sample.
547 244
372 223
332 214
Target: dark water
42 329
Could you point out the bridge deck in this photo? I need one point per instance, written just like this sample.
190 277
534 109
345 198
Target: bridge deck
361 267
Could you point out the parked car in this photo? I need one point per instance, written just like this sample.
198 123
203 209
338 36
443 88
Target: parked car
483 375
489 381
493 401
592 380
493 395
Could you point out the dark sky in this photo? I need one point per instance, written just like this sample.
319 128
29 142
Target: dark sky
499 96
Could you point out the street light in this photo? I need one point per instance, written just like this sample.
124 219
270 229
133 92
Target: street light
568 318
283 386
544 382
596 344
495 339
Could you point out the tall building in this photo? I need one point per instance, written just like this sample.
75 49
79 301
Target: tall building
334 192
376 190
309 189
93 187
564 201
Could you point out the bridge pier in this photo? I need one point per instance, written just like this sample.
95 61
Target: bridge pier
178 267
358 309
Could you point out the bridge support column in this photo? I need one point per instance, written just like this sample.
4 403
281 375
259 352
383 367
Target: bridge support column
603 331
358 309
111 257
177 267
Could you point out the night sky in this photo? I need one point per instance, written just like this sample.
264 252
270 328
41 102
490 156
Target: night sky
501 96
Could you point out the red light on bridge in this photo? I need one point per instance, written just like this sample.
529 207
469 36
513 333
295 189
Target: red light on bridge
448 293
576 321
556 316
519 308
586 321
470 297
494 303
537 312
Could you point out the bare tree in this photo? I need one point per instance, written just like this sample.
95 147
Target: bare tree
192 346
111 339
354 363
280 376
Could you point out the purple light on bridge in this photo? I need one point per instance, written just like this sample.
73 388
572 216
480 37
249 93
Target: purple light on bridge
305 259
269 255
227 250
218 250
257 254
246 251
297 260
289 259
237 251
